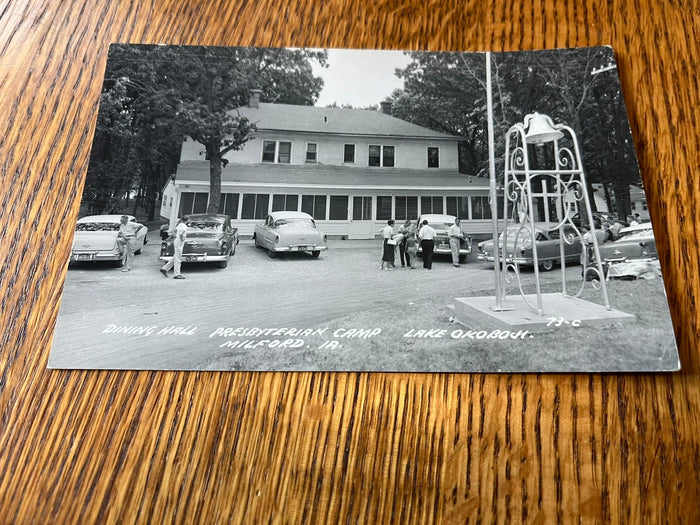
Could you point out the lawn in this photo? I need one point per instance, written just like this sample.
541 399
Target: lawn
642 345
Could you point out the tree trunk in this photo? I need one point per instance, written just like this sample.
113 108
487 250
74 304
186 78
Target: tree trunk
214 154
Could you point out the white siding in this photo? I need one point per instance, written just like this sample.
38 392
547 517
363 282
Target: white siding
408 153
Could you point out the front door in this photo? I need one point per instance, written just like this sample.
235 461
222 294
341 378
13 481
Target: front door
361 224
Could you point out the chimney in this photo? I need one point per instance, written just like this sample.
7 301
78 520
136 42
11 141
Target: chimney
386 107
254 101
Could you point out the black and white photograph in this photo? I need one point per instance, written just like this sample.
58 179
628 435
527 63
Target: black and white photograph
287 209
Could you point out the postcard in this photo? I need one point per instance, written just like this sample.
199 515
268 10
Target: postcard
287 209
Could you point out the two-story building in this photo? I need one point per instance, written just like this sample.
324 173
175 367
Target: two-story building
350 169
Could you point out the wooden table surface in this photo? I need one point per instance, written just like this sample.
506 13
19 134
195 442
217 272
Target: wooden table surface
123 447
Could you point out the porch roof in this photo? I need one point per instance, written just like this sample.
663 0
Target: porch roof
330 177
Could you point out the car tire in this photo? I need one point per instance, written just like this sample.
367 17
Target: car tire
223 264
257 244
548 266
315 253
271 254
462 259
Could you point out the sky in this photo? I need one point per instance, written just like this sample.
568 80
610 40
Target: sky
359 77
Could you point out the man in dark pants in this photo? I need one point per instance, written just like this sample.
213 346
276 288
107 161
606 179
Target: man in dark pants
427 234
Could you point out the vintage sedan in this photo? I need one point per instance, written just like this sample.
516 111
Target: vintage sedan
633 243
289 231
210 238
519 245
441 224
95 240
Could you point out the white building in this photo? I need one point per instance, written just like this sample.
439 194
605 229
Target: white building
350 169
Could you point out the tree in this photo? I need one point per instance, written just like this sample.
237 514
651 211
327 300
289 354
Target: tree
160 94
210 84
446 92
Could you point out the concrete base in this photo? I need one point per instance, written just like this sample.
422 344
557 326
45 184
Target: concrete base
478 313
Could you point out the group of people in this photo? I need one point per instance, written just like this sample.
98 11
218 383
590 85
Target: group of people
402 244
603 231
126 238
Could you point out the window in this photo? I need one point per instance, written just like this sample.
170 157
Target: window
431 205
311 152
433 157
193 203
388 156
254 205
362 208
285 202
284 152
314 205
229 204
269 148
383 208
277 151
406 208
458 206
339 208
349 154
381 156
481 209
375 155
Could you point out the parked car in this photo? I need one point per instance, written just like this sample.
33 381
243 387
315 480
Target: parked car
441 223
633 243
210 238
289 231
95 239
519 245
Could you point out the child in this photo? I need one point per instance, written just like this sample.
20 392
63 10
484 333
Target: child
412 249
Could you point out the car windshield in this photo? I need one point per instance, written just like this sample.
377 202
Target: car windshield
304 223
204 226
97 226
520 234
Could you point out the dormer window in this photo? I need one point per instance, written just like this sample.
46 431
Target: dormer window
277 151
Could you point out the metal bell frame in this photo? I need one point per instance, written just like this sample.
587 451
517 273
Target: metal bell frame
570 186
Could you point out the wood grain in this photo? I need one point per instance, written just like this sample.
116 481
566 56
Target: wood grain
153 447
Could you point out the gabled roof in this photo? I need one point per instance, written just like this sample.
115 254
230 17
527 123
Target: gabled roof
327 176
336 121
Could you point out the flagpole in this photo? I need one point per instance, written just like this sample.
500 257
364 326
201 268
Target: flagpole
493 196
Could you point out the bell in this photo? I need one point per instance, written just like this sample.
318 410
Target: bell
540 129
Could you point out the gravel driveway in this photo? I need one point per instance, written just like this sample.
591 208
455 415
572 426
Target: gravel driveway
140 320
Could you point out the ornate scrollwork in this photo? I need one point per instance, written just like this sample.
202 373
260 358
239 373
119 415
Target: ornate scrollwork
517 158
566 159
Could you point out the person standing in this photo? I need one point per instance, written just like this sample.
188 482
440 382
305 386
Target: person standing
178 244
405 229
126 237
427 243
388 249
456 235
411 250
